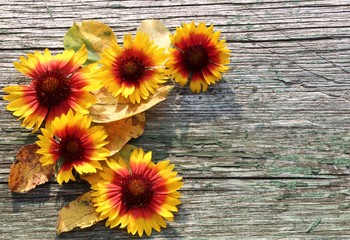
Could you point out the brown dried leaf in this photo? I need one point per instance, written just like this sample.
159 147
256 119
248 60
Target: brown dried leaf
121 131
27 172
110 109
157 32
78 213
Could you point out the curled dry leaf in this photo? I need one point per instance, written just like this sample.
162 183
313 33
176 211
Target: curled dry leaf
157 32
27 172
95 35
121 131
78 213
110 109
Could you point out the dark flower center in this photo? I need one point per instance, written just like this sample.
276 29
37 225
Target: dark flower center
196 57
136 191
131 69
71 149
52 87
50 84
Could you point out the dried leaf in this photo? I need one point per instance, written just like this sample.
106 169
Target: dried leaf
27 172
78 213
95 35
91 178
121 131
157 32
110 109
123 156
125 152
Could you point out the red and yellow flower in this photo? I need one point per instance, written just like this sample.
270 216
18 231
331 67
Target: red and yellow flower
198 56
139 195
57 85
71 143
136 70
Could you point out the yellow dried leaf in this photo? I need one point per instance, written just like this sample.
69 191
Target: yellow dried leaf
121 131
157 32
78 213
110 109
96 36
27 172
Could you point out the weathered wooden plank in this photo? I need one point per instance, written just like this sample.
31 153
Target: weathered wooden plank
265 153
219 208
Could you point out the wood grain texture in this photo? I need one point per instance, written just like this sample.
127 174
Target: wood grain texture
264 153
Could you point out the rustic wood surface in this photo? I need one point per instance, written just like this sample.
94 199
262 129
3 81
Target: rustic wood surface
264 153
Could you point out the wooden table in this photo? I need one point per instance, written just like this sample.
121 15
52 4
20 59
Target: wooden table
264 153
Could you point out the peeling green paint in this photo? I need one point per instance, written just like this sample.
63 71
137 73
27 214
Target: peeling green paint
293 170
289 185
313 225
344 206
287 196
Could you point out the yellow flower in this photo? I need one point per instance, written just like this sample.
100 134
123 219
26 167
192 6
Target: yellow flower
57 85
71 143
140 195
198 56
134 72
